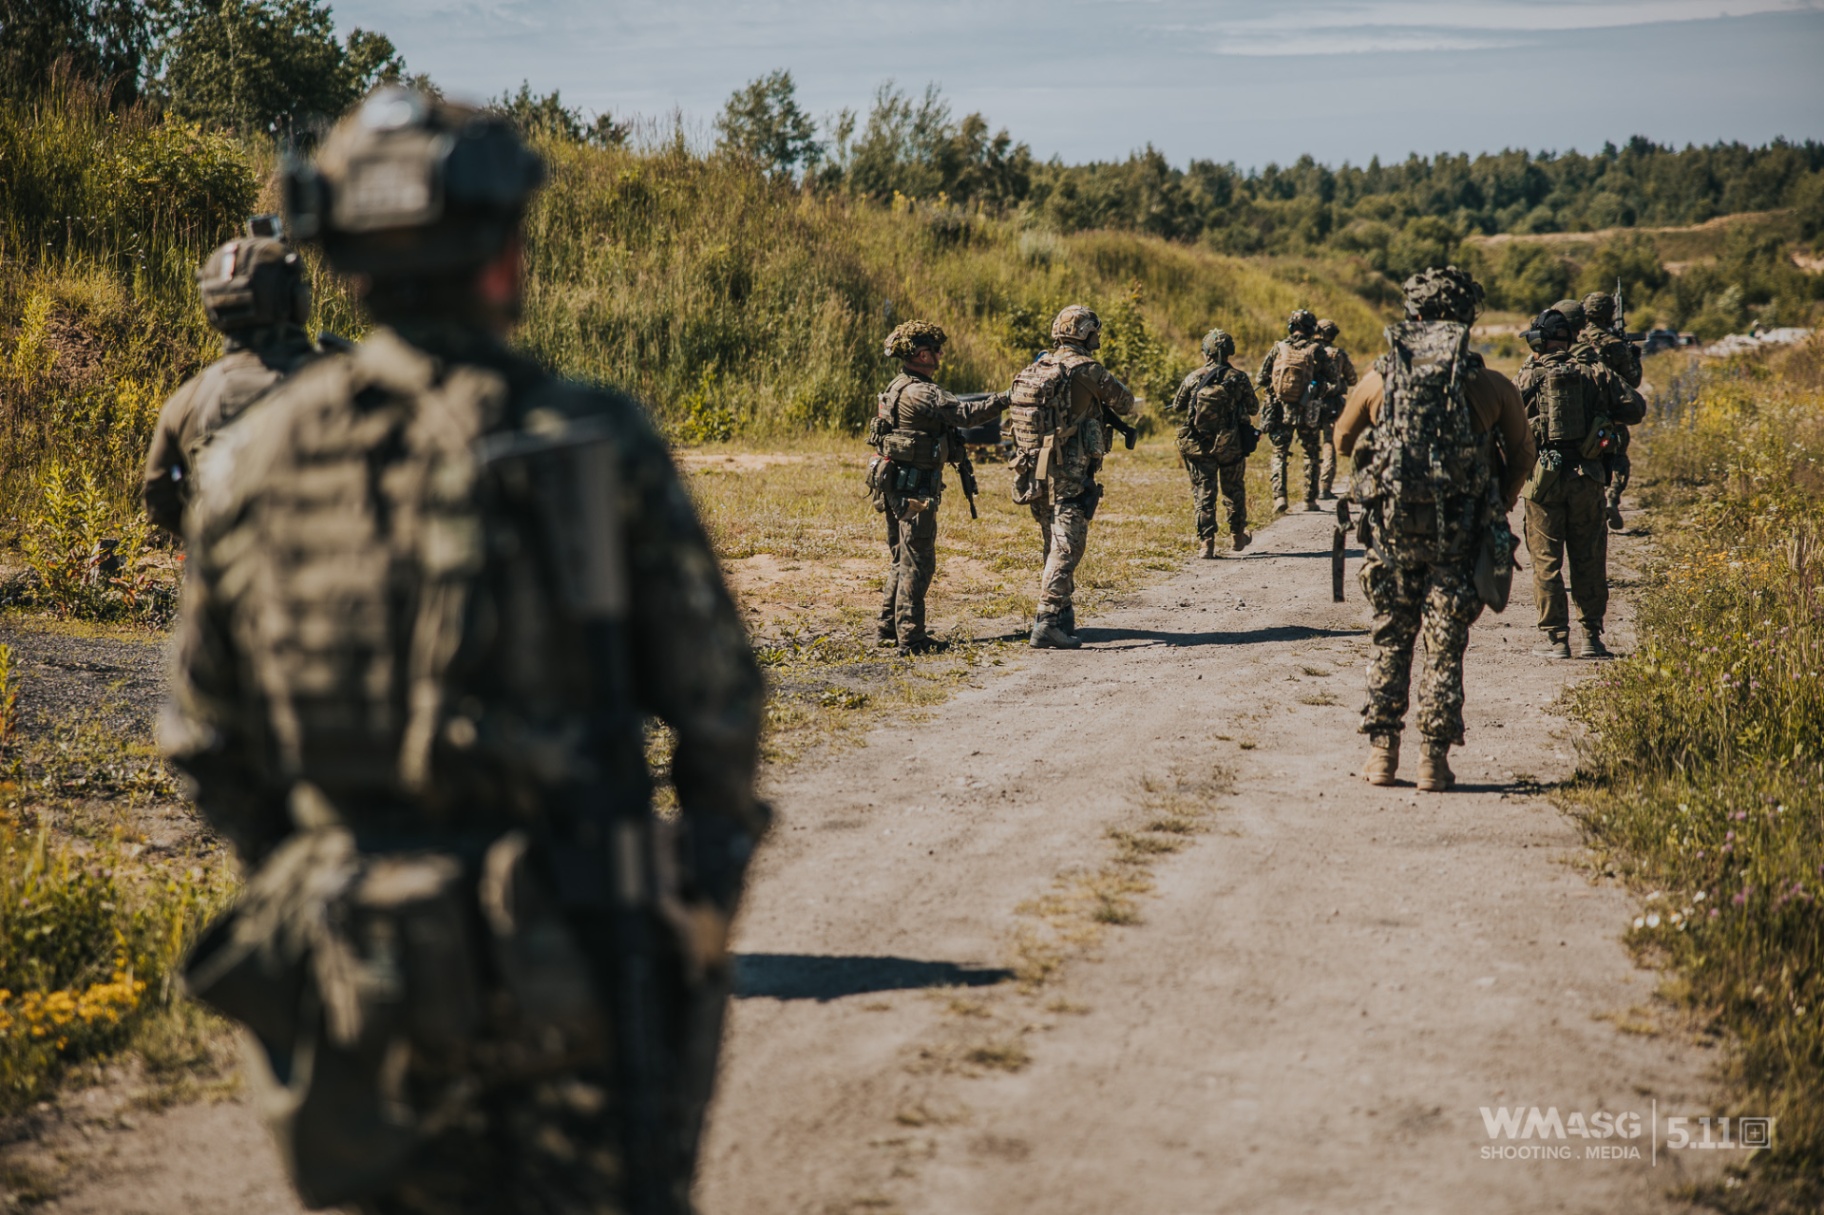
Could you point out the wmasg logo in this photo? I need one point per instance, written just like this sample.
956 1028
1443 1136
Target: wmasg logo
1531 1122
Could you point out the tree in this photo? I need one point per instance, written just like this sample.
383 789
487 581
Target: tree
547 115
106 41
763 123
269 65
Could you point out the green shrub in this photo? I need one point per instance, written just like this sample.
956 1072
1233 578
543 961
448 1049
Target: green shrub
1705 755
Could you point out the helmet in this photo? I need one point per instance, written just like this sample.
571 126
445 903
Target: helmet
1077 324
909 336
1599 309
1572 311
411 185
253 282
1301 321
1217 345
1553 326
1442 293
1328 329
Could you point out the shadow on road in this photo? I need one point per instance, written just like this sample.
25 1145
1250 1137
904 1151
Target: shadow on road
1275 633
809 976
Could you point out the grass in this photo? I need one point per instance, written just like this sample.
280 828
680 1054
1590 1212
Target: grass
1704 765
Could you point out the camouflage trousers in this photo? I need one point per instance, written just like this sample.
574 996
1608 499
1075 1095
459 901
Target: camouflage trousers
1311 438
544 1148
1064 532
1438 602
1570 530
1210 479
1326 476
912 551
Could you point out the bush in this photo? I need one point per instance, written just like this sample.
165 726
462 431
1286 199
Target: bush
1705 758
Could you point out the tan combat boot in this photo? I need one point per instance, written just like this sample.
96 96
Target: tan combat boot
1207 548
1383 759
1279 506
1590 646
1435 775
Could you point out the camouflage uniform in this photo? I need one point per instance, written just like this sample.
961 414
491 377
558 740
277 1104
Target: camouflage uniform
254 293
1215 401
910 495
1417 581
1064 510
433 593
1346 379
1565 506
1598 343
1284 420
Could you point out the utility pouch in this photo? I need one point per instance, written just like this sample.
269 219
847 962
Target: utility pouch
1495 564
914 448
874 482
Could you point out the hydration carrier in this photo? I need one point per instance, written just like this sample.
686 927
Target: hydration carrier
1042 419
1425 484
1294 369
1561 413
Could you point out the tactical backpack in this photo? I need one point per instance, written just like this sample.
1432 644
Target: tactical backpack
1425 484
909 460
1294 371
1042 417
1215 428
1562 413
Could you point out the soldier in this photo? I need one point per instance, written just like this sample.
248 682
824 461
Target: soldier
915 434
1217 435
255 294
1327 332
1297 376
1599 343
433 593
1431 404
1571 406
1056 409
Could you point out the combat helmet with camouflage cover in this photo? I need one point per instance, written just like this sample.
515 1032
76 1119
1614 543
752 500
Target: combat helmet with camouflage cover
1442 293
253 282
1079 324
1302 320
413 187
1217 345
1328 329
1599 309
909 336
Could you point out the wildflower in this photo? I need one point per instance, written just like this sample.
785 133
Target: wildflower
1653 919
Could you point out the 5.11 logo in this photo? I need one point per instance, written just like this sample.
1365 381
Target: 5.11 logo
1545 1133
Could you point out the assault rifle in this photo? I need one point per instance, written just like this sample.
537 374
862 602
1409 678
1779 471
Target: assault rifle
1339 543
1620 326
965 467
1113 420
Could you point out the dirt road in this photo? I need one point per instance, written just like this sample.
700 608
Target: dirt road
1120 931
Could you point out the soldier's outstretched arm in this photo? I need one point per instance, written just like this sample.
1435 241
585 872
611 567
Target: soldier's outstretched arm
1181 400
693 667
1359 412
953 411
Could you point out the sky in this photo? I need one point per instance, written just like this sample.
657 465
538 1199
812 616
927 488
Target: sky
1223 80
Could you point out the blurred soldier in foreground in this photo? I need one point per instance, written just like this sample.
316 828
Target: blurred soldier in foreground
914 431
254 293
1297 376
433 593
1327 333
1572 406
1215 439
1056 409
1443 452
1600 343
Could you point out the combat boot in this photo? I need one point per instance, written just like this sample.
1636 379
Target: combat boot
1557 644
1590 646
1383 759
919 644
1047 635
1312 506
1240 540
886 635
1067 620
1435 775
1279 506
1329 495
1616 523
1206 548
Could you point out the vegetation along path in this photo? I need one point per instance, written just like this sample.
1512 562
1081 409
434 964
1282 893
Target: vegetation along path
1121 930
